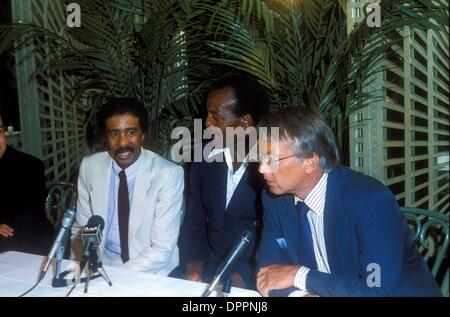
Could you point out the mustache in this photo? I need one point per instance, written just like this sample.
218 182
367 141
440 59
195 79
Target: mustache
124 149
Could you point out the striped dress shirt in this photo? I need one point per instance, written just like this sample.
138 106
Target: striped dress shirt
316 203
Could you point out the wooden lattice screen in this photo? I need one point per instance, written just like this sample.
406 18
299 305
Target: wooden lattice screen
52 124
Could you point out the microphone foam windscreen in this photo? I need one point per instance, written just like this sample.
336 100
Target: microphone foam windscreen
96 220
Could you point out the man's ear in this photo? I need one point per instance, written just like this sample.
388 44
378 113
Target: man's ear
312 164
104 142
247 121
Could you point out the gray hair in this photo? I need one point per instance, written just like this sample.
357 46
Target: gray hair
306 132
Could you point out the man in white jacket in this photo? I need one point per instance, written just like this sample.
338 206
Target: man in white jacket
137 192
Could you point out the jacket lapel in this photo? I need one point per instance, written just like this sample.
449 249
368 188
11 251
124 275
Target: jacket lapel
289 224
216 185
142 184
331 212
100 188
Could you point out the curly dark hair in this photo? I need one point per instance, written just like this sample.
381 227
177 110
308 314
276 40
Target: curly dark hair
120 106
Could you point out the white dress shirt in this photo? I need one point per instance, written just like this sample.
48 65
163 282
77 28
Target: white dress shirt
112 225
233 178
316 203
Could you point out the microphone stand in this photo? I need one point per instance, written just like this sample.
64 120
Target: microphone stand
226 289
59 256
95 266
212 287
58 279
222 289
224 268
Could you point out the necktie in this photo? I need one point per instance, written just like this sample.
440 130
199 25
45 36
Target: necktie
306 254
123 208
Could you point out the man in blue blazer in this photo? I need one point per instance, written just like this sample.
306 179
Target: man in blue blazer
328 230
225 192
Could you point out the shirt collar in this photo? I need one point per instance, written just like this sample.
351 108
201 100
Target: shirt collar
131 170
227 154
316 198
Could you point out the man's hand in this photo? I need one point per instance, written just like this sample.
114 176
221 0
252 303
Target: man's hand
275 276
237 280
6 231
193 276
194 271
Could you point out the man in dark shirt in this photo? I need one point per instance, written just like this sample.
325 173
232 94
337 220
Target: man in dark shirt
23 224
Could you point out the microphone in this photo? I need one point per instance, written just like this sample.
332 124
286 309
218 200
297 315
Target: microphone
232 256
91 236
66 223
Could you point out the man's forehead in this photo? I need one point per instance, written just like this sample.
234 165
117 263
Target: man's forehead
269 145
227 98
129 118
224 92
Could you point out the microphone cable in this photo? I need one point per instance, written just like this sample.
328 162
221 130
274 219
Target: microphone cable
71 290
41 277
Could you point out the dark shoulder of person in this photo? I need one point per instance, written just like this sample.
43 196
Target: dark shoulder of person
21 171
25 161
25 157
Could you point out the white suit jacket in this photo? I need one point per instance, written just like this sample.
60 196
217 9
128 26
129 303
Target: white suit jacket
155 210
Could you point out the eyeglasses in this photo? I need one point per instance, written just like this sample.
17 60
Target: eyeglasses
270 161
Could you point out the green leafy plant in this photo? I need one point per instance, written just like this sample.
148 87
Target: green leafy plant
167 52
302 51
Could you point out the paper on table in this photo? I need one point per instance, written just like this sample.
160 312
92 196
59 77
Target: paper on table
19 272
300 293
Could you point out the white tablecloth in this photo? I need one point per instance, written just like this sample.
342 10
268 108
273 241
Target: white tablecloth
19 272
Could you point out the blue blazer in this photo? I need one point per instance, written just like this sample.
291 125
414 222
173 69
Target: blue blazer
362 225
209 231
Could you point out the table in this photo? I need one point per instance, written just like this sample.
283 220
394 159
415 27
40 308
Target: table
19 272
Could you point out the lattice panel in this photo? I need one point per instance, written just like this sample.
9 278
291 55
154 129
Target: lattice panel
404 140
440 121
52 123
